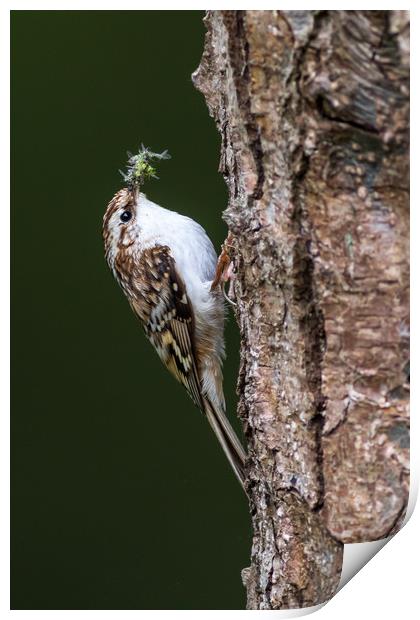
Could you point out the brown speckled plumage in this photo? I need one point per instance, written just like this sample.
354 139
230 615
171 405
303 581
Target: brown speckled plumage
158 296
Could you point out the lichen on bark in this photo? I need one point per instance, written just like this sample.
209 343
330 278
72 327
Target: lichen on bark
312 108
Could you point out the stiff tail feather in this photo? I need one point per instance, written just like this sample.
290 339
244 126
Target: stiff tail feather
228 439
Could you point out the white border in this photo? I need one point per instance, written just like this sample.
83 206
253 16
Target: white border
387 586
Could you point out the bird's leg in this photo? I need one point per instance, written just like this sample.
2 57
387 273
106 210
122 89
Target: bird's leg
224 271
230 276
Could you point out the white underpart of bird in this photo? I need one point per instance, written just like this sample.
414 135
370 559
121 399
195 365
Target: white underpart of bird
166 263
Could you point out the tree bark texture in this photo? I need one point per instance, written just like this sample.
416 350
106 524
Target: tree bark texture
312 108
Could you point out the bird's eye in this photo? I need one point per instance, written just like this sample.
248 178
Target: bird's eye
125 216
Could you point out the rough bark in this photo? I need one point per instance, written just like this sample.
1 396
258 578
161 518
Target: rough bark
312 108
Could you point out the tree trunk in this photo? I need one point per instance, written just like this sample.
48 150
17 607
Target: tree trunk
312 108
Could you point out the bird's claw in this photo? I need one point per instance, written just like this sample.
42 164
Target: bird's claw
225 271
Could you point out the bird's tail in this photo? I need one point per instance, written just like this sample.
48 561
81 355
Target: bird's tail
228 439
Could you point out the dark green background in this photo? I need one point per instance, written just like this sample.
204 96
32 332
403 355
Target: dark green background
104 514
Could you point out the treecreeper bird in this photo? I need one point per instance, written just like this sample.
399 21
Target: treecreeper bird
166 265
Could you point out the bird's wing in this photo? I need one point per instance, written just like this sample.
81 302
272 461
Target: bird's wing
168 318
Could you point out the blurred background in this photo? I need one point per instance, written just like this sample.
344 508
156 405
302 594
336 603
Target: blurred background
104 516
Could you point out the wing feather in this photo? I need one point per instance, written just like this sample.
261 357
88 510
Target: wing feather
169 323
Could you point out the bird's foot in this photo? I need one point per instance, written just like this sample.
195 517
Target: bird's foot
225 271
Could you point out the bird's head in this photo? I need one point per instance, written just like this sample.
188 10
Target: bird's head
120 228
